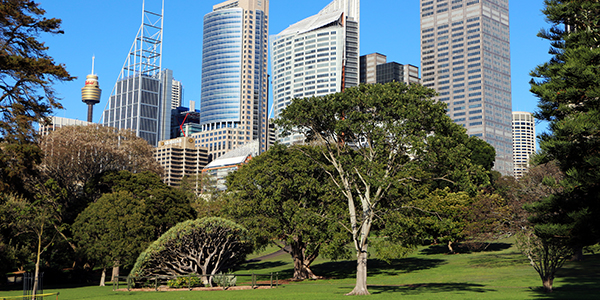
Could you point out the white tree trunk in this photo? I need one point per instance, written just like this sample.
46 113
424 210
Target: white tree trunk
103 278
361 274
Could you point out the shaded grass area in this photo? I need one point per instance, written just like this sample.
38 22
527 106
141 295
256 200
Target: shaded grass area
429 273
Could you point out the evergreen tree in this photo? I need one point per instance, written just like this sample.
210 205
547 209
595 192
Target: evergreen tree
568 88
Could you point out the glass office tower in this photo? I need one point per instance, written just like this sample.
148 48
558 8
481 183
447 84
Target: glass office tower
465 56
234 76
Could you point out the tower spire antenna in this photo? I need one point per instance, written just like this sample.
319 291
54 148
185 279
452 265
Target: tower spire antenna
90 93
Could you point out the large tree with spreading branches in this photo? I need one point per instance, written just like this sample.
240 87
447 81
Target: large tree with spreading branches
379 140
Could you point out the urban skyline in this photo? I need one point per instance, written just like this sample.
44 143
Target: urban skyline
527 49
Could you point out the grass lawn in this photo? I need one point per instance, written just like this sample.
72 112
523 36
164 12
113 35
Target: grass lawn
500 273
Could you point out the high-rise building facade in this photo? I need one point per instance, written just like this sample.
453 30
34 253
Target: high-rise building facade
374 68
465 57
523 127
316 56
176 94
234 76
141 97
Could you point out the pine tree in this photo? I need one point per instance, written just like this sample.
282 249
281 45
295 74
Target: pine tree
568 88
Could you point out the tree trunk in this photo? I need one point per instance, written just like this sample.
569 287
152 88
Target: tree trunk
361 274
547 284
577 254
103 278
115 272
37 264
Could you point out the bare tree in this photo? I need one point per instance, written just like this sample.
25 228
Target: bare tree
75 154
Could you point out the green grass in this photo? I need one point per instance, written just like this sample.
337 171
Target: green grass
501 273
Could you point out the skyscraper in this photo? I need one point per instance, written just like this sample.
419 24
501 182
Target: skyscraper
316 56
176 94
523 126
374 68
234 76
465 56
141 99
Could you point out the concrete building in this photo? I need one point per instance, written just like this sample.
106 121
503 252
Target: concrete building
59 122
465 56
234 76
523 128
180 157
374 68
316 56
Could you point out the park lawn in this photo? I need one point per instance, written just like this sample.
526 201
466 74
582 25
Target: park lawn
429 273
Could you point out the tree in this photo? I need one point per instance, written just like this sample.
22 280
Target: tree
204 246
134 211
568 88
32 223
282 196
546 254
27 72
380 139
74 155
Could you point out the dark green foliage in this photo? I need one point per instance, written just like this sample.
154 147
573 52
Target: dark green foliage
202 246
283 195
482 153
384 143
27 72
135 210
568 88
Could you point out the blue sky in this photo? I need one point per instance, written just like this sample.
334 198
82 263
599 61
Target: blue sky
107 29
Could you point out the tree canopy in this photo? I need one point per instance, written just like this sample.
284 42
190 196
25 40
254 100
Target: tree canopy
568 89
203 246
282 195
134 211
380 140
27 72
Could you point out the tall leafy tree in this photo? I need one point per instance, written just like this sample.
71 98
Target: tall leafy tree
283 196
133 211
27 74
568 88
380 139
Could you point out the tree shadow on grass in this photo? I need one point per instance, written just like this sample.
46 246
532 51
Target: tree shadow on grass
257 266
415 289
463 248
347 269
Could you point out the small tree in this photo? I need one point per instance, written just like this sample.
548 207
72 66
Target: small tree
204 246
282 196
546 254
